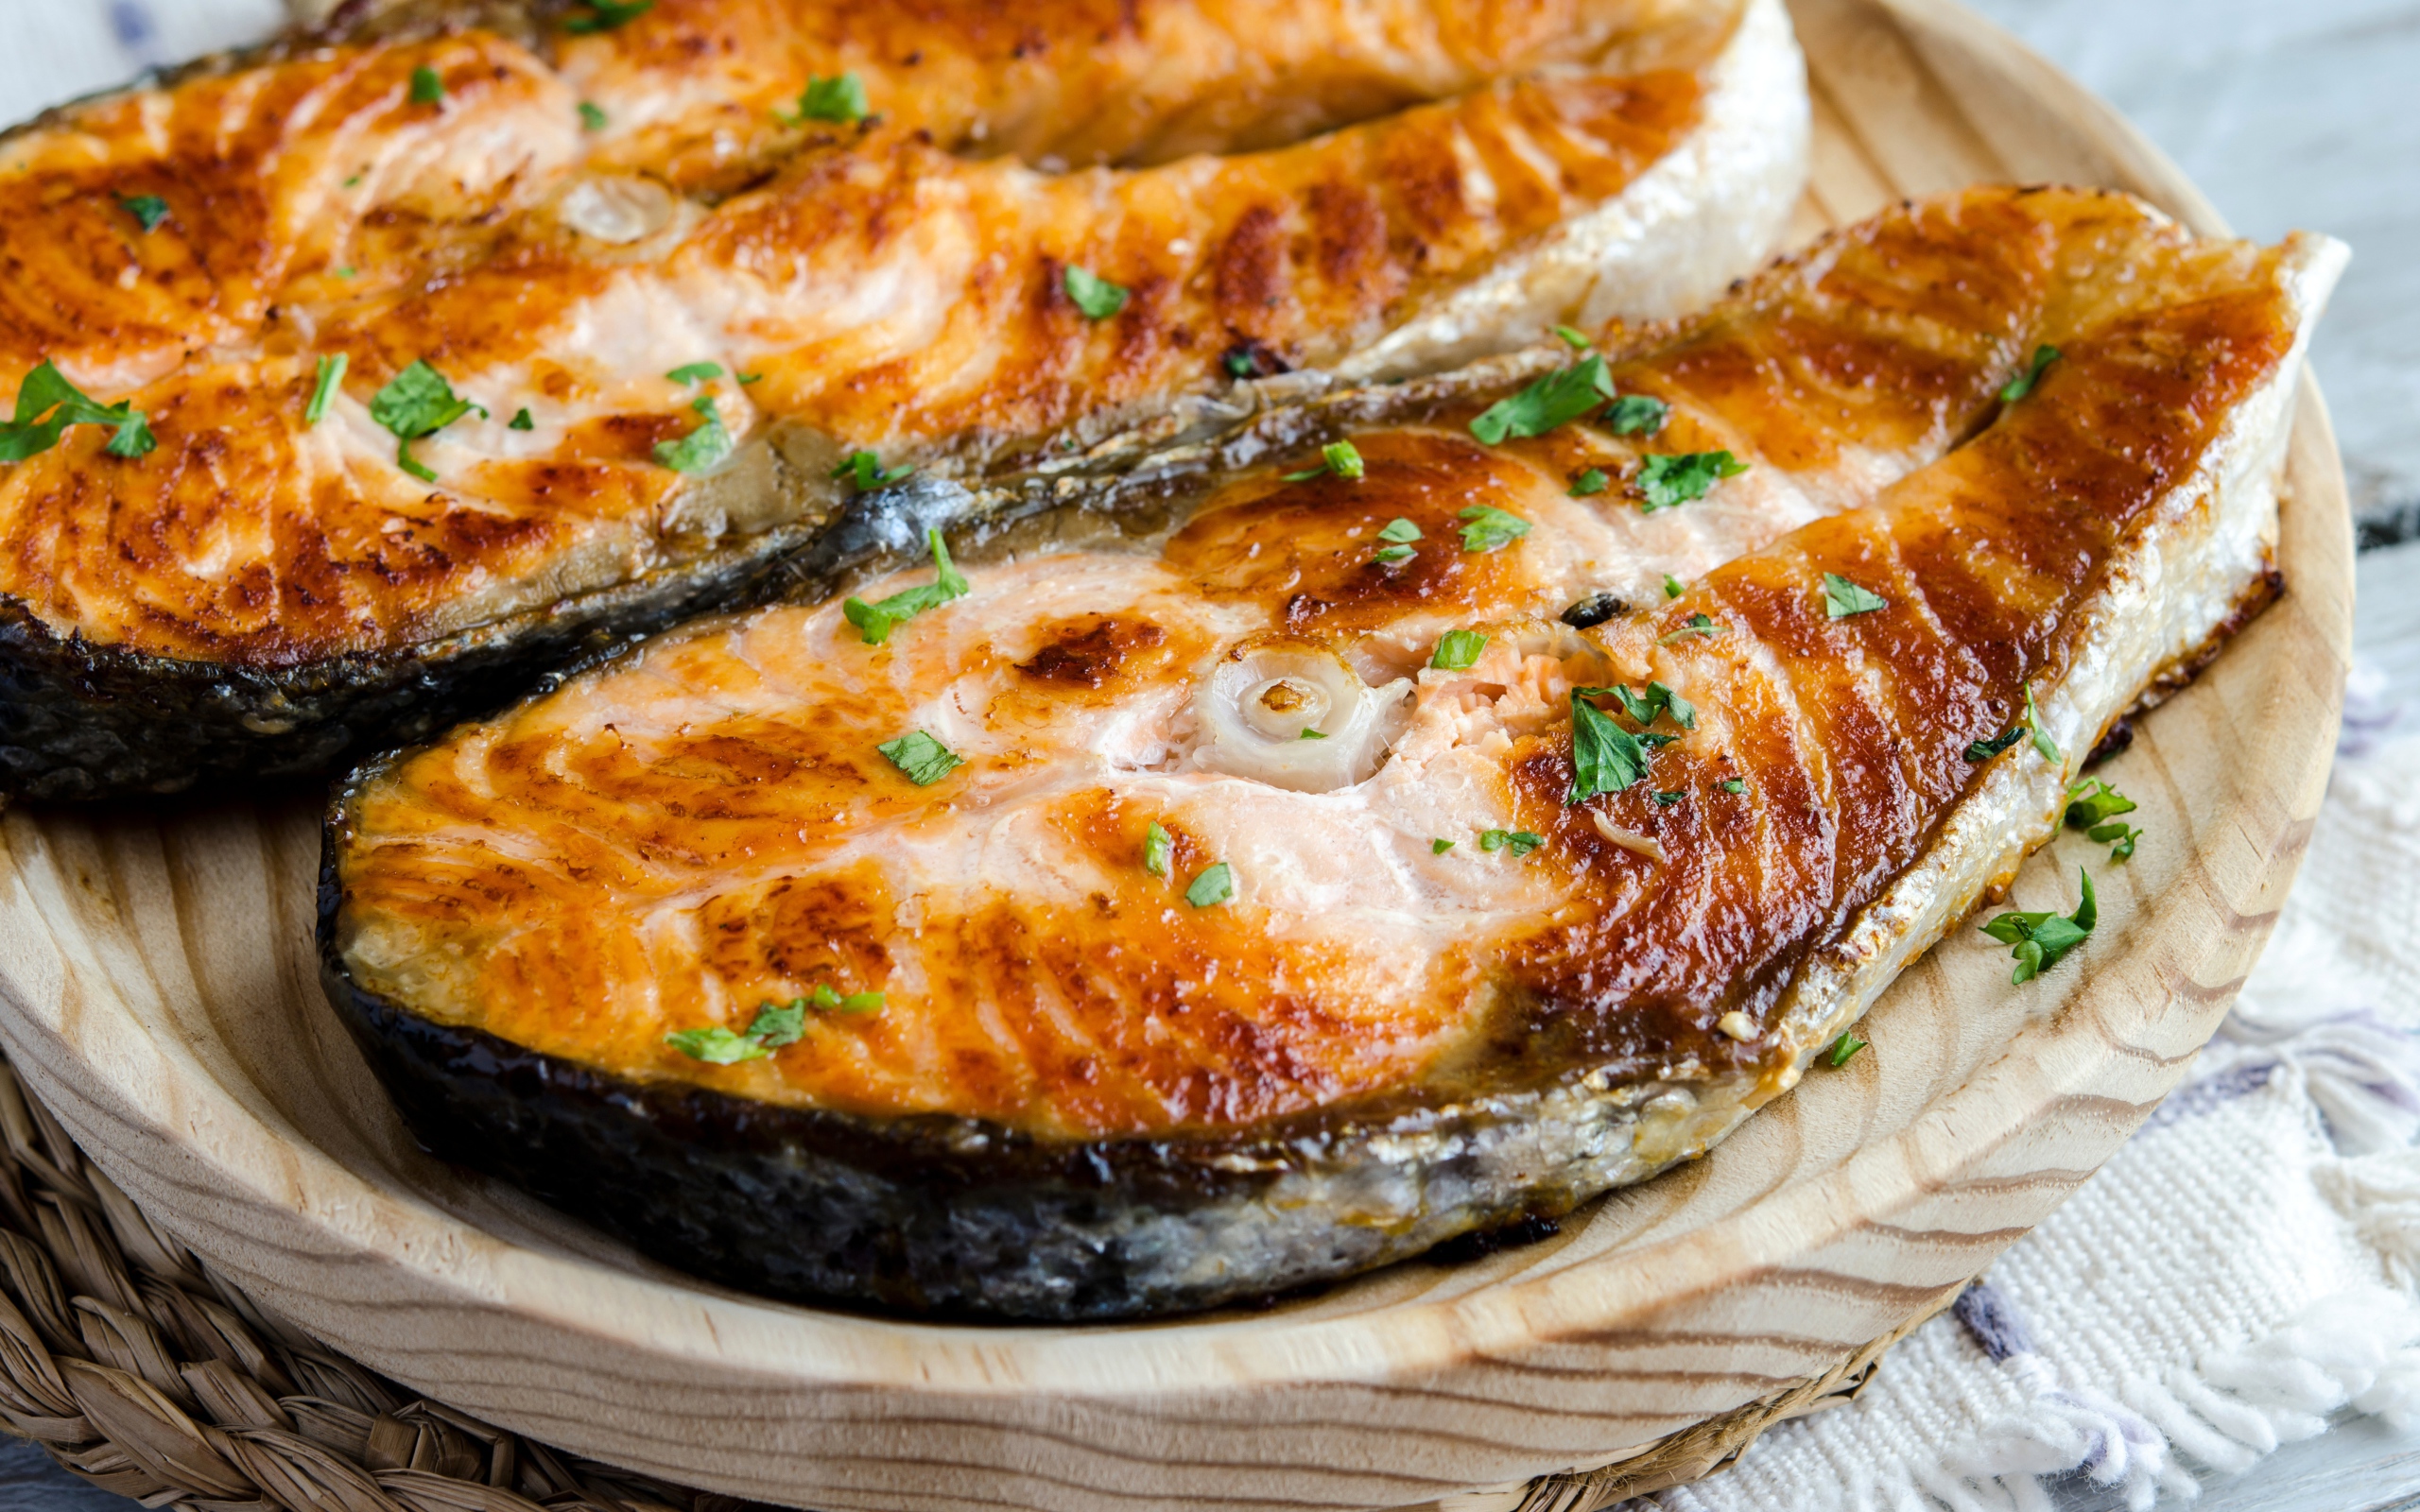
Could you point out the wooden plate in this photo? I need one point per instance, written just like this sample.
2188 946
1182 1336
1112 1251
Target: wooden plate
162 997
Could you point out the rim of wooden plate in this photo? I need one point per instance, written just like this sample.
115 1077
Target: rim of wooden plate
161 1002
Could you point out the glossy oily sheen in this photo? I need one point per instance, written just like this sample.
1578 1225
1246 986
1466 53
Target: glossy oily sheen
705 825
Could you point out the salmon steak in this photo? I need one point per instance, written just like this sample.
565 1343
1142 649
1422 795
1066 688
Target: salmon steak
361 379
1401 814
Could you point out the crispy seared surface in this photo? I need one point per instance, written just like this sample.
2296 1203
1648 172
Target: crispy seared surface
705 824
895 284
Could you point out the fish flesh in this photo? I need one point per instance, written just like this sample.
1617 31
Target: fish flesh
1405 814
415 359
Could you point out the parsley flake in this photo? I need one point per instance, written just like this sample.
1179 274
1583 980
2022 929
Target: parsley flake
1591 482
1438 848
1156 846
47 403
1458 650
521 420
2093 806
1575 341
1983 751
2124 835
1843 598
920 758
2023 383
715 1046
324 389
2040 939
1490 529
1638 415
864 470
781 1023
696 372
1343 459
1694 625
1605 758
1736 784
1399 530
1215 885
417 402
1520 842
1669 479
427 89
1648 707
1672 587
875 621
147 209
604 15
1668 799
2042 741
1389 555
1094 295
1241 364
747 378
1843 1049
592 116
1557 399
703 449
829 1001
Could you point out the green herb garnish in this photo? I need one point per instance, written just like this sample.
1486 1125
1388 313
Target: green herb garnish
1672 587
829 1001
1575 341
920 758
1736 784
1605 758
703 449
417 402
1843 598
1843 1048
2093 806
1438 848
1491 528
1593 481
1557 399
147 209
1520 842
1668 480
47 403
427 89
1308 733
2023 383
592 118
2042 741
781 1023
1344 460
1156 846
2041 939
1215 885
1695 625
604 15
1637 415
696 372
1668 799
1399 530
1983 751
1241 364
717 1046
521 420
1095 296
875 621
864 470
1646 707
1458 650
323 389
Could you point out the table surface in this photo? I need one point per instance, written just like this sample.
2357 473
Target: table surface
2290 116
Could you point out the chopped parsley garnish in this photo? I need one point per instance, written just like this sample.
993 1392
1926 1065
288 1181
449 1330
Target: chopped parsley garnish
2023 383
920 758
1668 799
1438 848
874 621
1215 885
1095 296
417 402
1490 529
1591 482
47 403
1638 415
2040 939
2042 741
1557 399
1156 846
703 449
1520 842
1843 1048
2093 806
1736 784
592 116
717 1046
1308 733
865 472
1458 650
1398 533
747 378
1667 480
1695 625
324 390
1605 758
521 420
1399 530
427 89
1672 587
1241 364
1983 751
1843 598
147 209
829 1001
1343 459
1390 556
781 1023
1575 341
347 273
1646 708
840 100
604 15
696 372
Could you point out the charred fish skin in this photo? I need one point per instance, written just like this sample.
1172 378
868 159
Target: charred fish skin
1666 962
164 628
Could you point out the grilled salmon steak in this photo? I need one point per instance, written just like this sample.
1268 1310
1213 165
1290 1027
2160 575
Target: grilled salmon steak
359 379
1402 813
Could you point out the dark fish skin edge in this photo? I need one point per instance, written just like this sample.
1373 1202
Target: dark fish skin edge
938 1217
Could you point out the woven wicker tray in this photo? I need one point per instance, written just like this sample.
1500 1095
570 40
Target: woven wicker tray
158 993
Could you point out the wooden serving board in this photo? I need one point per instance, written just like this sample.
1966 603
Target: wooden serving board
162 997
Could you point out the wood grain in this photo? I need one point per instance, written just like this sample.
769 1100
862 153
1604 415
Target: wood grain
160 996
